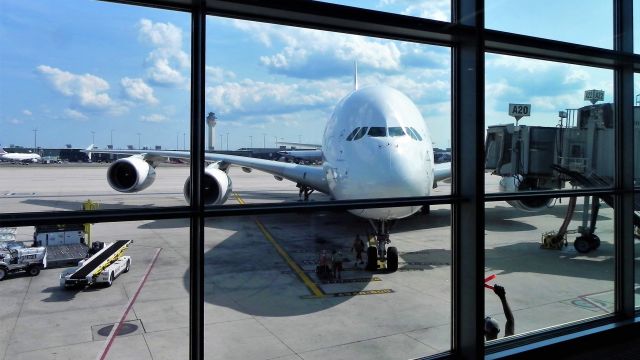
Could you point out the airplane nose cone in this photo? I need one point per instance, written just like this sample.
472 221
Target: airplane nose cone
389 172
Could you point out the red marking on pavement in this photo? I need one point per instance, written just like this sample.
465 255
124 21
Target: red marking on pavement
116 329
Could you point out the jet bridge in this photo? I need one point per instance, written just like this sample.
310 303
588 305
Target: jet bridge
580 150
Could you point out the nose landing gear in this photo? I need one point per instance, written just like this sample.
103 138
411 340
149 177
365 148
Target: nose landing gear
378 255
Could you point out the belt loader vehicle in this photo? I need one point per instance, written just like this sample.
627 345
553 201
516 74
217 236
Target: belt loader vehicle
101 268
30 260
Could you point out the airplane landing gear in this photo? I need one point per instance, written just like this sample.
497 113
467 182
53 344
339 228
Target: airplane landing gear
378 255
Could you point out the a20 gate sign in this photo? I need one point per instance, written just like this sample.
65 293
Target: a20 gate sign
519 110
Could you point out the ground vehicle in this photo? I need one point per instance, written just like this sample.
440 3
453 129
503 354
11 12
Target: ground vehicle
31 260
101 268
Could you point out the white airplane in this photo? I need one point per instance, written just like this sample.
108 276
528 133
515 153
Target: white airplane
21 157
375 145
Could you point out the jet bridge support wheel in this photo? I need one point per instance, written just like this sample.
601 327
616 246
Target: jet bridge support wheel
582 244
372 258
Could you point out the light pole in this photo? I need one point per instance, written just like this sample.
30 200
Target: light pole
264 140
138 140
220 147
227 141
177 141
299 138
93 137
112 138
275 141
35 139
184 141
250 141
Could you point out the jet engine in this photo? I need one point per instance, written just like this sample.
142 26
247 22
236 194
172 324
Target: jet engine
216 187
130 174
518 183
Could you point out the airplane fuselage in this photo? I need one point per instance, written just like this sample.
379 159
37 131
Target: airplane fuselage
20 157
377 145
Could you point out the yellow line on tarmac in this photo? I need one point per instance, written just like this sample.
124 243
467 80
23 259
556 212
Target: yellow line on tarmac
315 290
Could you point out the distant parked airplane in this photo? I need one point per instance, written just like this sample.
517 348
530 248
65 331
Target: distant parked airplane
21 157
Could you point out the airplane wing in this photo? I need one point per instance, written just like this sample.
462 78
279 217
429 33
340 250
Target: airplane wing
311 176
302 145
309 155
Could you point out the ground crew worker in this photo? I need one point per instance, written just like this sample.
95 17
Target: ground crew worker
358 247
336 260
491 327
323 266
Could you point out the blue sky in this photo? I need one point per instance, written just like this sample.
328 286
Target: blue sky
82 70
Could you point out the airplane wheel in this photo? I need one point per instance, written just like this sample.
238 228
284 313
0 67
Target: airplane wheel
3 273
33 271
582 244
594 241
372 258
392 259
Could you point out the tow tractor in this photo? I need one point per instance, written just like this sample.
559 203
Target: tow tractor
103 267
16 259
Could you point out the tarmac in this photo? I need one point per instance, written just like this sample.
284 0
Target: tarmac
263 299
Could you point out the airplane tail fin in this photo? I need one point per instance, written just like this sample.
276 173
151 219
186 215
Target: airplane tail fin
88 150
2 151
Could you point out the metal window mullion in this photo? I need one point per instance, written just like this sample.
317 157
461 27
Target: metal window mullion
623 209
196 254
468 175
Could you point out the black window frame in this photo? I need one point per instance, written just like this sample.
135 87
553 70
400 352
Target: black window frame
469 40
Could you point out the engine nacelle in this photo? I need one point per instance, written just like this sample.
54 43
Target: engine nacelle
130 174
216 187
517 183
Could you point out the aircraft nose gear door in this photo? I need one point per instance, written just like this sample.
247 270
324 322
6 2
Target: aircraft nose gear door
378 255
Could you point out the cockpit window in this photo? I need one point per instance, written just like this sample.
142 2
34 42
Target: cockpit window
413 136
417 134
377 131
396 131
363 130
353 133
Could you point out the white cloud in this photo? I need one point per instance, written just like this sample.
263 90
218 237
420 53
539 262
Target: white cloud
431 9
306 48
167 58
217 74
137 89
15 121
74 114
88 91
154 118
27 112
249 96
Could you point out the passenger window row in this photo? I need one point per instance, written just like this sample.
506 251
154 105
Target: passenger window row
376 131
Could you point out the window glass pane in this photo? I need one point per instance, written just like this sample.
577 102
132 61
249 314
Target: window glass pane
353 133
578 21
41 318
552 284
274 88
396 131
376 131
269 295
560 136
428 9
81 73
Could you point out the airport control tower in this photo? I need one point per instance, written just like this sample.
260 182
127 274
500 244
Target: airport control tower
211 123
